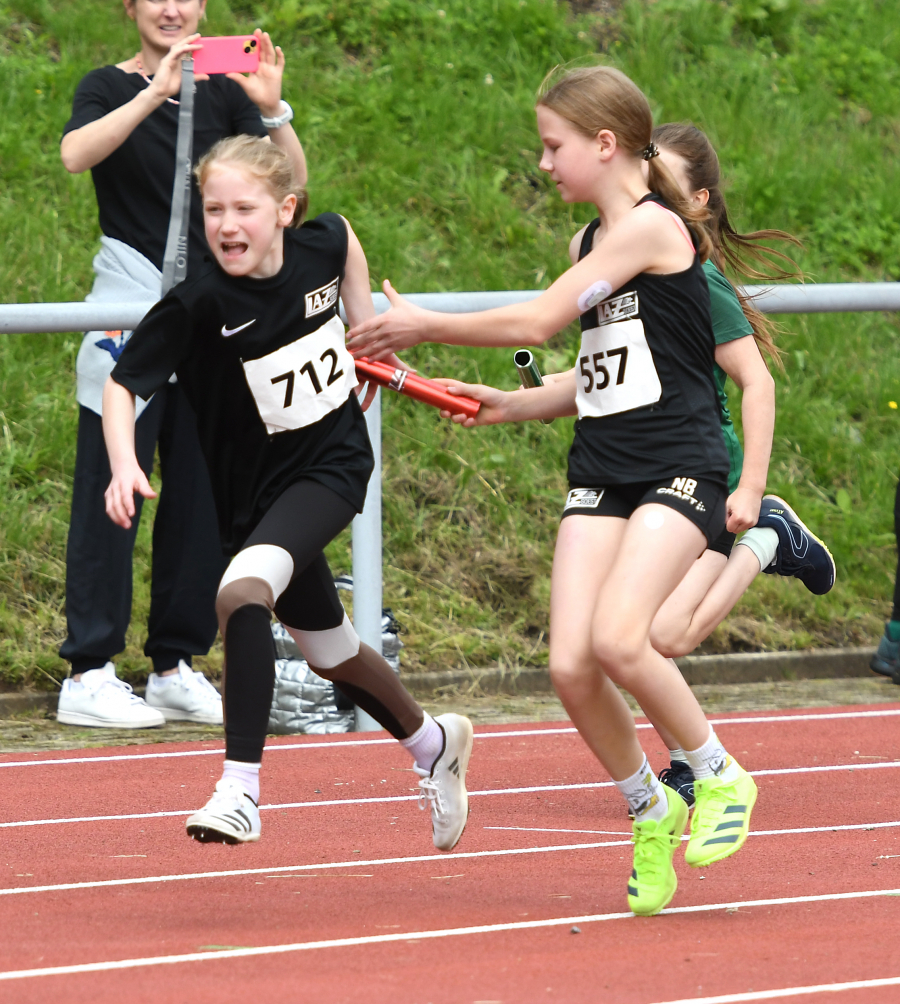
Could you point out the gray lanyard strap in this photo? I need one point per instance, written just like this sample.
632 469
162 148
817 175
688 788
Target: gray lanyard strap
175 258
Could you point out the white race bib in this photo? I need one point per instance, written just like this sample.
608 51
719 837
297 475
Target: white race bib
299 384
615 366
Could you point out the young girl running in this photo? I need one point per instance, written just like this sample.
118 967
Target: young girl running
258 346
647 469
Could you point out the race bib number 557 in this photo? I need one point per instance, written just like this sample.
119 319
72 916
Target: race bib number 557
299 384
615 366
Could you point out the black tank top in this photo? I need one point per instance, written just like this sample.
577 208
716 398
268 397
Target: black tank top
647 399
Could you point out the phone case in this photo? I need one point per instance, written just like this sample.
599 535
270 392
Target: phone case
227 54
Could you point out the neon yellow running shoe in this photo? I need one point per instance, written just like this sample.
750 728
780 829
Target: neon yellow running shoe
721 819
653 880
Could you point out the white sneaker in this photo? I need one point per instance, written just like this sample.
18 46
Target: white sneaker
102 701
187 697
229 817
444 788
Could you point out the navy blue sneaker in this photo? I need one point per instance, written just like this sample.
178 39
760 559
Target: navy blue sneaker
800 552
886 660
679 777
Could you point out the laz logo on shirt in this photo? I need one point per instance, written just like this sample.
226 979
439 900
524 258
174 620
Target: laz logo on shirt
617 308
319 300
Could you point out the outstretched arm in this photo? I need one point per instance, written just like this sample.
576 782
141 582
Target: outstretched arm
127 475
643 240
742 361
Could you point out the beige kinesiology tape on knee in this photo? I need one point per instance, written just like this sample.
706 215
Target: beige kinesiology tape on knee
261 561
327 649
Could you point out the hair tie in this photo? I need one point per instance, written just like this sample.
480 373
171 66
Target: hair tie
650 151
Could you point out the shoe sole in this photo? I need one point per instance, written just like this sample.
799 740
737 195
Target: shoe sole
77 718
727 850
818 540
176 715
210 835
463 767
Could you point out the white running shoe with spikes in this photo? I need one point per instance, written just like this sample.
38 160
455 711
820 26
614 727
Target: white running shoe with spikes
229 817
185 697
443 788
101 701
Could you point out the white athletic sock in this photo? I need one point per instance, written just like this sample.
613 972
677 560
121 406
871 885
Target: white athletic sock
678 756
712 760
763 542
246 775
426 744
645 794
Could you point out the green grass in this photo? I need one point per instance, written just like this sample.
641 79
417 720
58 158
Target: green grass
418 124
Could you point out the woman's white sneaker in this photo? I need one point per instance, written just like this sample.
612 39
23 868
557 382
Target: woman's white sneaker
100 700
443 789
185 697
229 817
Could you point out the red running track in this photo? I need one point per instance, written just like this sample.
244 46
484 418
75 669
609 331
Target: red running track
346 900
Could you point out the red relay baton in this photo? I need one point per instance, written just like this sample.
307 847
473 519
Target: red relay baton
416 387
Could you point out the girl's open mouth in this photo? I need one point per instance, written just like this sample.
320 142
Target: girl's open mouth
233 249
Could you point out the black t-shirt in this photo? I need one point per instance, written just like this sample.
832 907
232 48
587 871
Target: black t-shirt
134 183
679 432
237 342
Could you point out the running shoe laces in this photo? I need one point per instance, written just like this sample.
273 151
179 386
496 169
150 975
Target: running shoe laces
430 794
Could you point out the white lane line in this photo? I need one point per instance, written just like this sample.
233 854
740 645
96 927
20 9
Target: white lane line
478 735
382 939
331 865
371 863
543 829
330 802
771 995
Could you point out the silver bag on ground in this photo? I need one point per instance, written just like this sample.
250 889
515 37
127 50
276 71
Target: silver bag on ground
305 703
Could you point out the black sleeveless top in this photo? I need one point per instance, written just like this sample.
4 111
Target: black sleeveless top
677 432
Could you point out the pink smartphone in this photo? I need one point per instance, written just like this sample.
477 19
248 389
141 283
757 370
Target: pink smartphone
227 54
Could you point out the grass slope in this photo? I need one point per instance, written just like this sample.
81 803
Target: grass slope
419 128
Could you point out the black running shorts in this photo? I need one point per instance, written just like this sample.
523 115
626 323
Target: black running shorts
701 500
724 543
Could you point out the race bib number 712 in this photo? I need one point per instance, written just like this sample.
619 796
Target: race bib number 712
299 384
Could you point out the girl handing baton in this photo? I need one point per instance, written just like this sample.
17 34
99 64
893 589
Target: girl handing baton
647 469
257 344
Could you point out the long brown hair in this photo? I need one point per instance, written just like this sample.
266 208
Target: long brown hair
592 98
743 253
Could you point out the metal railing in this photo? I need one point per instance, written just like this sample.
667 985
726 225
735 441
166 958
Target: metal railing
45 318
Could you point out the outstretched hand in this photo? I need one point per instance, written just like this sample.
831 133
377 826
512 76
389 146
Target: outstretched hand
398 328
119 496
263 87
492 401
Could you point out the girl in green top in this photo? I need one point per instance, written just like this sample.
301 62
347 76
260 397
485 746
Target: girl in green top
775 539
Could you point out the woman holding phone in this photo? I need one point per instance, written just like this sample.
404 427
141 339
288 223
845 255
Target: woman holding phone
123 129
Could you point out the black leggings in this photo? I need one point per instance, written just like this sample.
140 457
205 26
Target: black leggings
302 521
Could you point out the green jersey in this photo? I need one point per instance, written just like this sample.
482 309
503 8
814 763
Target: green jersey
729 323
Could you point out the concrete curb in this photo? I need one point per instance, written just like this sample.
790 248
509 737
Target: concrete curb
739 667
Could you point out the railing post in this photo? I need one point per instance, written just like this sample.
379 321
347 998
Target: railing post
367 588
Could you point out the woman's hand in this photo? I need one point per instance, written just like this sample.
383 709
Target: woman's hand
399 328
492 401
126 480
166 82
742 507
264 86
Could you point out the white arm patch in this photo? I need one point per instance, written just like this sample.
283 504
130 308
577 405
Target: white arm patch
596 292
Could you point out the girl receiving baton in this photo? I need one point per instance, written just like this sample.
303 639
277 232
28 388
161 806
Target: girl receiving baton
647 469
257 344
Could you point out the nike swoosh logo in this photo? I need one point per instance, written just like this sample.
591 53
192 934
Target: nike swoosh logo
228 332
